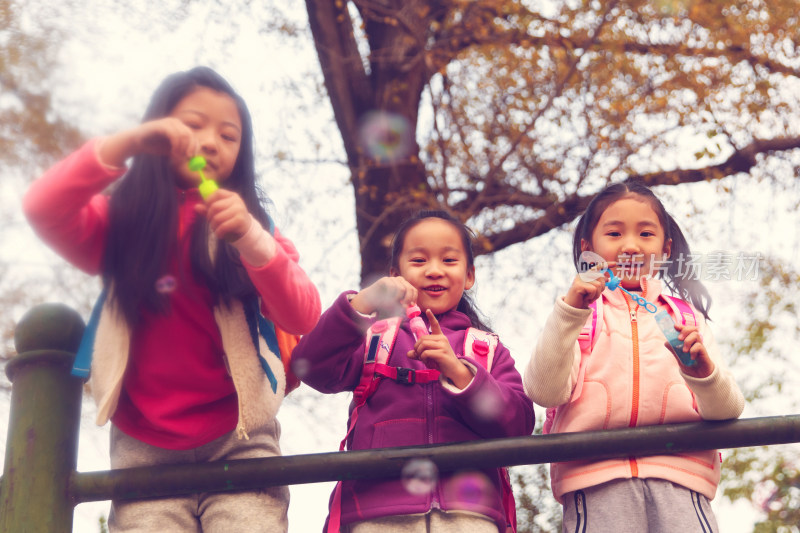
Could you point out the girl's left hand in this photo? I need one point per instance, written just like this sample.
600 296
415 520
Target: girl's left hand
227 215
435 351
692 344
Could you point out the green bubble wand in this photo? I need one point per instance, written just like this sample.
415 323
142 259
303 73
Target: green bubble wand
207 186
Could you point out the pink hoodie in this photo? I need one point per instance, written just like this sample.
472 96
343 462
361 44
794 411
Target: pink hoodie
630 379
184 378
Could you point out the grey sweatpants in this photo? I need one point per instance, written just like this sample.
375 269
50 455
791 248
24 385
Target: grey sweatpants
637 506
261 511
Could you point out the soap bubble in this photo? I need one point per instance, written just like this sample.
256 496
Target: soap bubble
419 476
385 136
471 490
166 284
300 367
591 266
487 404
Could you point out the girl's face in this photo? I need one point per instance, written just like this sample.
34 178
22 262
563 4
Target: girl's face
630 234
217 126
434 261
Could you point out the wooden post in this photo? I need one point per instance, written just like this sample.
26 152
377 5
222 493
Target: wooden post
44 421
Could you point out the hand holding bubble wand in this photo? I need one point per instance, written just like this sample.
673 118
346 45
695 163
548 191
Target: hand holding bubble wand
207 186
593 266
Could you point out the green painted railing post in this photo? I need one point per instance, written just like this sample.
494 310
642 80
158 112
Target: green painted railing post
44 421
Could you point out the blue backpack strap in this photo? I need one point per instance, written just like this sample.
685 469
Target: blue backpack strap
83 358
270 225
260 326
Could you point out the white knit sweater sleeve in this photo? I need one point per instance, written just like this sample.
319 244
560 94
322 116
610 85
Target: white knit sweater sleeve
718 396
553 368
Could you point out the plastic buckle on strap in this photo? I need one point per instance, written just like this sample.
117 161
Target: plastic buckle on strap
406 376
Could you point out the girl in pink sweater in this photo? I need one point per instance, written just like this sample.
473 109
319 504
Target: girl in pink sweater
180 366
603 363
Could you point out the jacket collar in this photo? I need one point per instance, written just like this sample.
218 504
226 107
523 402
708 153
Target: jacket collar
454 320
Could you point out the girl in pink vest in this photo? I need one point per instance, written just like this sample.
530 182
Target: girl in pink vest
627 375
178 366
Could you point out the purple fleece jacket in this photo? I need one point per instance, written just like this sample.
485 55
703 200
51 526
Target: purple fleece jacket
493 405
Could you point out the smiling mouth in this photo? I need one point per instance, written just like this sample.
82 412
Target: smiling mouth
437 288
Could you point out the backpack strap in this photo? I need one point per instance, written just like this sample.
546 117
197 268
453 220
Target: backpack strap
588 334
586 341
278 341
681 310
587 338
480 346
83 358
509 503
381 337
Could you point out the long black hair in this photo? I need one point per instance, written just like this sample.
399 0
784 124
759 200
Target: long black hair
465 305
143 213
683 283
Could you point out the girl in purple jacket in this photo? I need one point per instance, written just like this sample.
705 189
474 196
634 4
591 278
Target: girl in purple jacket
432 266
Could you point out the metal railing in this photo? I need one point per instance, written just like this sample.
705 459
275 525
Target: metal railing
40 485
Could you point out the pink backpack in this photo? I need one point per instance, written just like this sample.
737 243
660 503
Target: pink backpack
381 336
682 313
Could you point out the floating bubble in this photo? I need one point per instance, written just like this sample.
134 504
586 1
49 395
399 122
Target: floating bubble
166 284
385 136
470 490
419 476
300 367
487 404
591 266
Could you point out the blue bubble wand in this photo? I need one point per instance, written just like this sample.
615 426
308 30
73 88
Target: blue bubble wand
613 284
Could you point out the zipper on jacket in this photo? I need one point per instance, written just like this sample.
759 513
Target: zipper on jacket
429 421
635 385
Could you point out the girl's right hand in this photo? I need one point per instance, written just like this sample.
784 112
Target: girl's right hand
584 291
389 296
166 136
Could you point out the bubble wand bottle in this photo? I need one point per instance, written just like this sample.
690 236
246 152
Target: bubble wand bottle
415 322
207 186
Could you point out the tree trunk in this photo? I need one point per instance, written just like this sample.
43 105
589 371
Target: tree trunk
376 111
